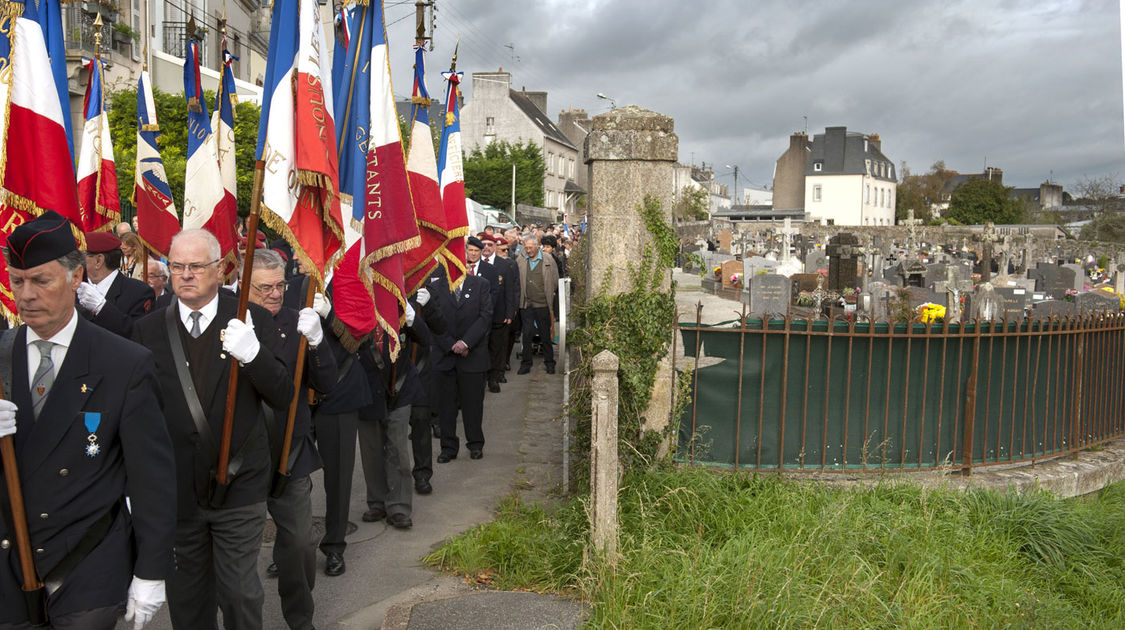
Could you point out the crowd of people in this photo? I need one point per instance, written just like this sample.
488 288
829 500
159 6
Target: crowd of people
137 487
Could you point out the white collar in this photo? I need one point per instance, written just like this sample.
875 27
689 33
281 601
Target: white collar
63 337
106 282
209 311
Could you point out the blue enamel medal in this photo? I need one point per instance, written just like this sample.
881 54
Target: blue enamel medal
93 419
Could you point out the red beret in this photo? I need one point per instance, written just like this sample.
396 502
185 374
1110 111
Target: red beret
487 238
101 242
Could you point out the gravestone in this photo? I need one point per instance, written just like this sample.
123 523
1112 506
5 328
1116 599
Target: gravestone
843 256
1119 280
730 268
912 272
725 239
934 273
918 296
769 294
815 261
1079 280
756 264
1096 302
1051 308
803 282
985 304
1013 301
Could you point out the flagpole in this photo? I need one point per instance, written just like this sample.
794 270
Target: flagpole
243 299
34 593
281 477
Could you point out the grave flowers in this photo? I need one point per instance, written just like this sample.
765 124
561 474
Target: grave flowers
931 313
736 279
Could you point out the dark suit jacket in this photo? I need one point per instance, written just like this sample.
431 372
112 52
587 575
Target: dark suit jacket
65 490
126 301
319 374
508 289
468 320
264 378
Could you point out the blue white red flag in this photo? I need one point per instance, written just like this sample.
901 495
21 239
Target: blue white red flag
97 172
421 167
451 179
222 125
297 139
207 203
36 169
375 193
157 222
48 14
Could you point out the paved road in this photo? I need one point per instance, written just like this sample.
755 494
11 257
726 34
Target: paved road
523 450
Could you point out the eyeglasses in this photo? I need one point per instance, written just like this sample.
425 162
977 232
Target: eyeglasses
270 288
195 267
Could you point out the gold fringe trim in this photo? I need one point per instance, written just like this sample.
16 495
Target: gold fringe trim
392 332
318 180
12 10
150 127
150 247
347 340
450 118
420 100
356 3
395 248
13 200
193 105
275 223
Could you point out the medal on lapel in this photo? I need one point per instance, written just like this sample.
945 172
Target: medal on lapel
93 419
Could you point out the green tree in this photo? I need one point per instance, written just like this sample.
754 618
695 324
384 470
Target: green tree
171 113
1101 196
981 200
921 193
692 204
488 174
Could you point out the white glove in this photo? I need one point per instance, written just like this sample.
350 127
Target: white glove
422 296
145 598
409 314
308 324
321 305
89 298
7 418
239 340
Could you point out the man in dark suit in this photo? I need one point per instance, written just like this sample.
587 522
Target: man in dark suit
109 298
88 432
218 528
506 303
459 359
290 501
158 280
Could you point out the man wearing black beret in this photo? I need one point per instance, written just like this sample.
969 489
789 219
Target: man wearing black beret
88 432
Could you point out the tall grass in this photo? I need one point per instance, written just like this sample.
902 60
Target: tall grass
704 550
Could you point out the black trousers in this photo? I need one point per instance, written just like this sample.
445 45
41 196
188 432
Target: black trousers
336 439
421 442
498 350
462 391
95 619
537 320
294 551
514 331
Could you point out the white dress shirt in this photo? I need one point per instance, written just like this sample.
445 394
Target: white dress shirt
209 311
103 286
61 340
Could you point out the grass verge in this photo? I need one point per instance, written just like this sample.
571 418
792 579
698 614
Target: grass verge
705 550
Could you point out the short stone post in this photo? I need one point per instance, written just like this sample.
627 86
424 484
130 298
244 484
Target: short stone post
603 456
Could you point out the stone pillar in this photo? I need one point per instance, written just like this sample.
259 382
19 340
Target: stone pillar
604 463
631 153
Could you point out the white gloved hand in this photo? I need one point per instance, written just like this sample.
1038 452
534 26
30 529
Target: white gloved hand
89 298
145 598
321 305
7 418
240 341
409 314
422 296
308 324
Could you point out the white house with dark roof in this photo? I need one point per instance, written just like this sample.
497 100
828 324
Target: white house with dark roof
848 180
497 112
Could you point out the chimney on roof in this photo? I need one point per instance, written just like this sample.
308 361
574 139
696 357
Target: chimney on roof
539 99
875 141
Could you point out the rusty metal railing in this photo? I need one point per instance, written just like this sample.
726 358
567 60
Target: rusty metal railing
792 393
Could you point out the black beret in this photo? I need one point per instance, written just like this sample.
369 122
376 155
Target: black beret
41 240
476 242
101 242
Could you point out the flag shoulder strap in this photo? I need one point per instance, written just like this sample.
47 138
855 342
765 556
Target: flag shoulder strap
7 343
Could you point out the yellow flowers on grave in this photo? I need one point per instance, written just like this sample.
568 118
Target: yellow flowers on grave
930 313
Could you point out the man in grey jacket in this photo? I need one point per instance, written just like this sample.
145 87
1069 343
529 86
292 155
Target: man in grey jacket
539 279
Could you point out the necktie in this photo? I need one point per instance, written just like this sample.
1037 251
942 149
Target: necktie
473 269
195 331
44 376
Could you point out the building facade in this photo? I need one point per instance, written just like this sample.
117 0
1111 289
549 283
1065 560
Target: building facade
848 180
496 112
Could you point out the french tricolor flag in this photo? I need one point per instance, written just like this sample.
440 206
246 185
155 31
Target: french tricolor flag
297 139
38 172
97 173
222 125
451 179
157 222
207 203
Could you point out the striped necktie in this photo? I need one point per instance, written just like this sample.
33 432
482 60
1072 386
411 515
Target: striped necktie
44 376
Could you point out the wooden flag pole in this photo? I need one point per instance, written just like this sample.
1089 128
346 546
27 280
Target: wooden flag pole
32 587
243 299
298 376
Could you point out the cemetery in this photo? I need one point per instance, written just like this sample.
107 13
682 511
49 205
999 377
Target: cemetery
902 348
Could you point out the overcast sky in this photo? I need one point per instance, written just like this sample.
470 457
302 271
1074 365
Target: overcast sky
1030 87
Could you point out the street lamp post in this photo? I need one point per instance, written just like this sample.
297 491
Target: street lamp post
735 167
612 103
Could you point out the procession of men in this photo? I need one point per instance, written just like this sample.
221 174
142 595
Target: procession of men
121 455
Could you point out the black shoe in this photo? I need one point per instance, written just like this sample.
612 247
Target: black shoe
475 454
400 521
524 369
422 486
437 431
334 564
507 367
550 369
503 379
373 515
271 571
494 387
445 458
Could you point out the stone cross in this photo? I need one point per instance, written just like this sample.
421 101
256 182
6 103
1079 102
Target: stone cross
1005 259
953 301
912 226
787 233
820 295
987 238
